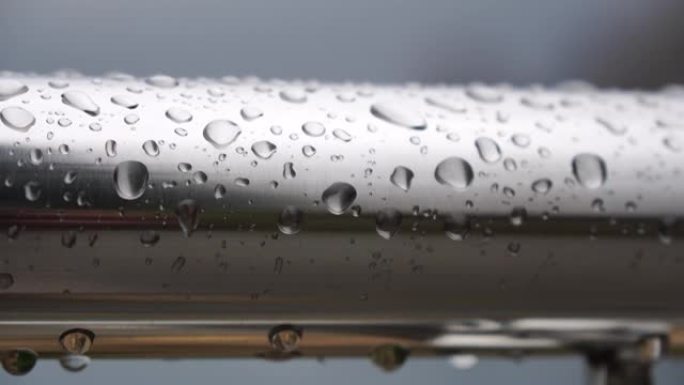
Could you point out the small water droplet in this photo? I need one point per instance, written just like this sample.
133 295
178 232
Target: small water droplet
542 186
178 264
219 191
389 357
455 172
314 129
589 170
149 238
6 281
36 156
81 101
402 177
162 81
342 135
483 94
264 149
398 115
69 239
290 220
151 148
187 214
124 101
130 179
221 133
518 216
387 222
488 149
110 148
74 363
338 197
308 151
293 96
33 190
521 140
289 171
77 341
250 113
178 115
17 118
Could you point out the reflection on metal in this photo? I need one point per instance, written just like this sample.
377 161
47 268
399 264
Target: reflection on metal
189 217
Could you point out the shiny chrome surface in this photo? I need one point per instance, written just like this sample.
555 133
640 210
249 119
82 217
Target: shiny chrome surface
191 216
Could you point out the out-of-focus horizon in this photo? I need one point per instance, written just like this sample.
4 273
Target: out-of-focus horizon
612 43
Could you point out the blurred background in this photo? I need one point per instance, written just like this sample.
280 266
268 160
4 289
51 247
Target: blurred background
611 43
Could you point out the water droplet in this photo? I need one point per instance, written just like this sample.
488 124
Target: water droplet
151 148
17 118
521 140
597 205
445 105
456 229
513 248
399 115
199 177
402 177
187 214
149 238
77 341
264 149
242 182
338 197
69 239
290 220
162 81
673 143
542 186
81 101
389 357
221 133
488 149
285 338
36 156
589 170
293 96
130 179
6 280
19 361
178 264
518 216
387 222
250 113
611 126
342 135
10 88
58 84
124 101
308 151
74 362
178 115
289 171
313 129
110 148
455 172
510 164
483 94
33 191
219 191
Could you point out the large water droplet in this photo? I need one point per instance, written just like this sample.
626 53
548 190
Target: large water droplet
387 222
130 179
455 172
488 149
402 177
290 220
19 361
589 170
10 88
399 115
338 197
264 149
221 133
81 101
187 213
313 129
17 118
